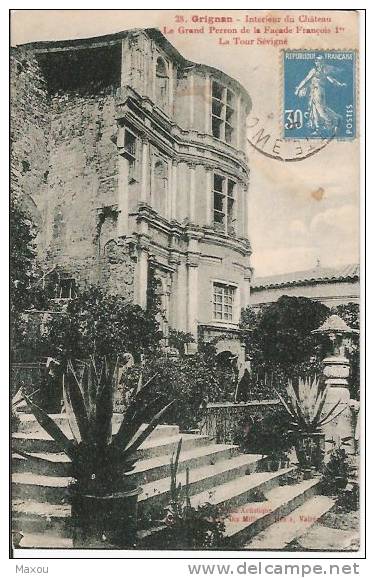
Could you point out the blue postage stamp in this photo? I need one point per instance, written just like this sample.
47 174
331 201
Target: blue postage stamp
319 94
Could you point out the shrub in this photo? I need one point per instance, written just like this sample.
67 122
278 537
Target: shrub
96 323
281 332
191 380
179 339
24 269
197 528
189 527
280 343
350 313
267 435
348 499
336 472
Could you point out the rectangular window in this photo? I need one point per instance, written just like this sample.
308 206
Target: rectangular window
130 146
224 199
224 301
222 112
66 289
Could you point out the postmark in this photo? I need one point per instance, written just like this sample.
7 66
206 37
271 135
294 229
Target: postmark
319 94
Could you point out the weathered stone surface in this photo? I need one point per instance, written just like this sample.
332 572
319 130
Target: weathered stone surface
64 165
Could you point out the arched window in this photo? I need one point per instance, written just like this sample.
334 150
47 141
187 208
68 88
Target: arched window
160 185
162 81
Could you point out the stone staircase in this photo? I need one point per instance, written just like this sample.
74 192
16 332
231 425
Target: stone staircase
219 474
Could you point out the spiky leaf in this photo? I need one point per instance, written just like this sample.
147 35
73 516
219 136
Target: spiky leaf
32 457
147 431
52 428
132 427
136 402
72 421
75 399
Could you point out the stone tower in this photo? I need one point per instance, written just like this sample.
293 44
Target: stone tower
132 160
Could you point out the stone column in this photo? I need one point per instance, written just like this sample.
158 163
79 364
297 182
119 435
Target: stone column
336 370
245 211
145 168
238 127
192 263
181 296
192 192
246 289
125 62
123 201
192 295
173 190
209 197
142 277
191 100
207 103
170 88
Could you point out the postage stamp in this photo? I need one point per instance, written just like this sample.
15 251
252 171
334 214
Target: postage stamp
319 94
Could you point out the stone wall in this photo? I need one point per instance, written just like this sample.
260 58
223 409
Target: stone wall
29 130
64 157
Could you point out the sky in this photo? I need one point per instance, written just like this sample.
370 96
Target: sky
298 211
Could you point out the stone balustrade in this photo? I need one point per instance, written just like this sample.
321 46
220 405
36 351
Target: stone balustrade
223 419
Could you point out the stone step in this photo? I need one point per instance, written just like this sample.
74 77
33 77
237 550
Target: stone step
145 471
156 468
228 495
53 489
29 425
41 442
41 517
246 520
40 540
253 517
49 465
200 479
291 527
236 492
30 486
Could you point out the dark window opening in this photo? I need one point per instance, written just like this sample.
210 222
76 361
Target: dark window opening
66 289
25 166
162 81
131 153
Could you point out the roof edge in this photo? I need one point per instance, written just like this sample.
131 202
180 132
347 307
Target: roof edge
117 37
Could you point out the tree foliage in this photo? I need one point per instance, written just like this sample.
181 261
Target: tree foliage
24 270
191 380
281 344
282 331
96 323
22 256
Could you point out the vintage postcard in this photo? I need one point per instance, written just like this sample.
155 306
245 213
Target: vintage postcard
185 281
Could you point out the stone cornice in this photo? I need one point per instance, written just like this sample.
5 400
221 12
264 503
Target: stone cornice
173 229
176 137
231 329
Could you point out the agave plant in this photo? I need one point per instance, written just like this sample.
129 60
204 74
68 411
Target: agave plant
305 405
100 459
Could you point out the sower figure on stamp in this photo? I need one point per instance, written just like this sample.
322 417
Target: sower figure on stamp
320 115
